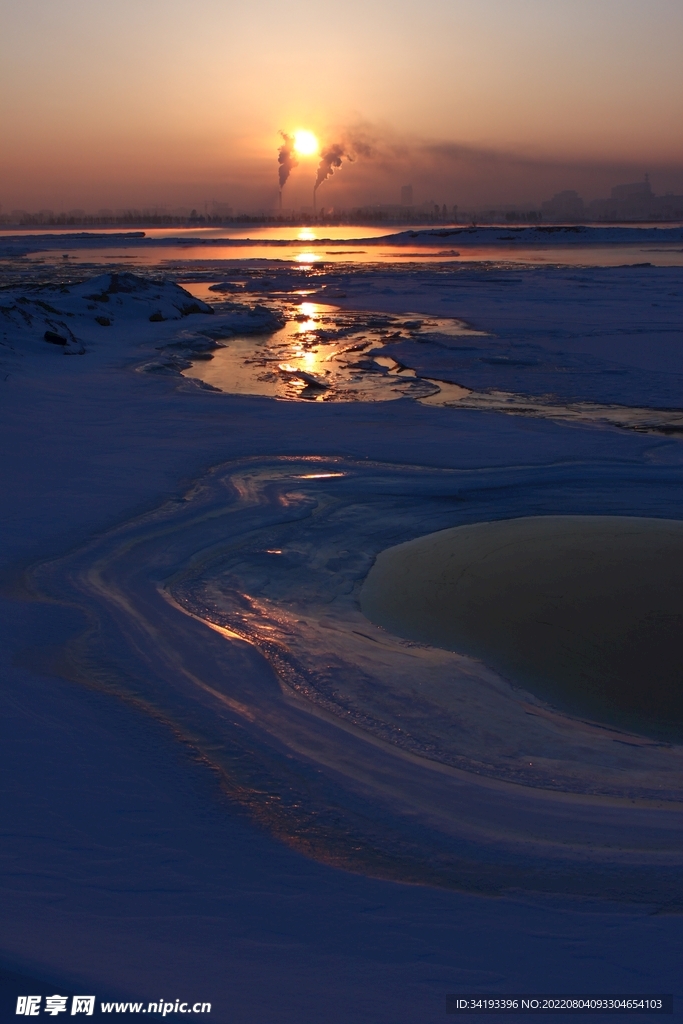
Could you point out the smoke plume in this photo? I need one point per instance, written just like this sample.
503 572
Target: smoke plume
286 158
330 160
355 145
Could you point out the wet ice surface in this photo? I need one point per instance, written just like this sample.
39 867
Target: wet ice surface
292 590
233 614
324 354
191 619
246 592
543 244
599 345
604 345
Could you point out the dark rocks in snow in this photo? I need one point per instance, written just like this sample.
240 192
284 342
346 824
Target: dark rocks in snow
55 339
126 301
58 333
194 307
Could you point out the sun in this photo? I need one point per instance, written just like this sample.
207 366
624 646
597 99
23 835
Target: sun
305 143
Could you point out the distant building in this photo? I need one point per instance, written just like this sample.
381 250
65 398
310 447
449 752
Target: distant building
406 195
632 202
636 201
567 205
638 192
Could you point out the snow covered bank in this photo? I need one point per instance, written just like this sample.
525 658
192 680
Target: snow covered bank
102 315
583 235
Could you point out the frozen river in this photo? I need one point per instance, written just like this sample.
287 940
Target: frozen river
210 746
660 245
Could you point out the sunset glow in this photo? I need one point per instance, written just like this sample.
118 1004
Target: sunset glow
510 104
305 143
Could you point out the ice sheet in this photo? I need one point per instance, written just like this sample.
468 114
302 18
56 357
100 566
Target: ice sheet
123 868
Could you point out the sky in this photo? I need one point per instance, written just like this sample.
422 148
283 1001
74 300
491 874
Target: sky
138 103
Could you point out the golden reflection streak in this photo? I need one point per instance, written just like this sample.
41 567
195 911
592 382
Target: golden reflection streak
229 634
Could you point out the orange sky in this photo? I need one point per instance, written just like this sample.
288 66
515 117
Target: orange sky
177 102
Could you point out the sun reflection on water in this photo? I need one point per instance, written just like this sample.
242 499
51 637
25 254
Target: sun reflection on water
322 354
309 311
